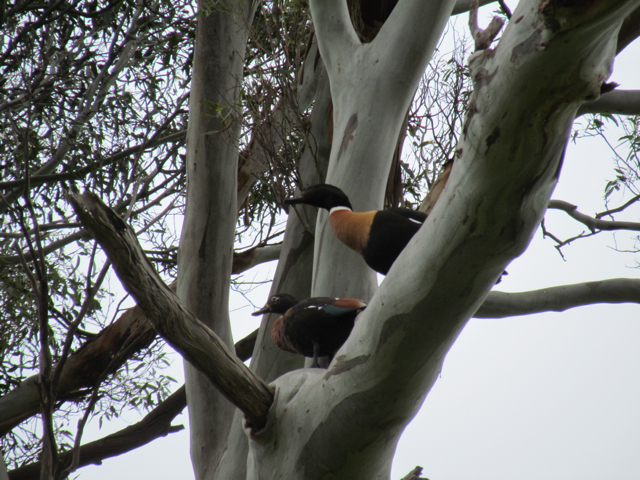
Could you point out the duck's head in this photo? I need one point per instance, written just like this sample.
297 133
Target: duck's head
322 195
279 303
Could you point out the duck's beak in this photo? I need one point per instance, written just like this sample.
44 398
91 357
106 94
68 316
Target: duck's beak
265 309
293 201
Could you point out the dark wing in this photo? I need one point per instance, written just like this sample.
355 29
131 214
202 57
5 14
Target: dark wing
328 305
414 215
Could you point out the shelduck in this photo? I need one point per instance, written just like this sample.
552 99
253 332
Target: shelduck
316 327
378 236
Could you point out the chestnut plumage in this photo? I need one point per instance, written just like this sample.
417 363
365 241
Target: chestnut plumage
378 236
315 327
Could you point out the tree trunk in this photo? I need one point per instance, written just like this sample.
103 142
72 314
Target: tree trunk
293 274
367 116
206 244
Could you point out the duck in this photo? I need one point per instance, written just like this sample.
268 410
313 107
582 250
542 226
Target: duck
315 327
377 236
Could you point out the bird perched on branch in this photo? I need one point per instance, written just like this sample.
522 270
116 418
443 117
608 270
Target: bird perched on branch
316 327
378 236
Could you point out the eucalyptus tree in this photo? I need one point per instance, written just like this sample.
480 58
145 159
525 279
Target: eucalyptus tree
274 103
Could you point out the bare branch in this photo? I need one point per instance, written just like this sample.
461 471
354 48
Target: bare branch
483 38
463 6
155 424
52 247
559 299
629 31
82 368
85 365
37 180
93 98
414 474
592 223
620 102
618 209
181 329
254 256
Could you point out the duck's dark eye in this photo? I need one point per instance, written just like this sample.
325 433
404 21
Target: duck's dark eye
273 299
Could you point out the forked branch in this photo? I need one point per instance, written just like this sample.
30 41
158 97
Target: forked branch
594 224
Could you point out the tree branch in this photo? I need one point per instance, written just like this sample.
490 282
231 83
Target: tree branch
618 209
254 256
621 102
52 247
496 196
483 38
592 223
463 6
181 329
629 31
93 99
337 39
155 424
84 366
37 180
87 363
407 39
559 299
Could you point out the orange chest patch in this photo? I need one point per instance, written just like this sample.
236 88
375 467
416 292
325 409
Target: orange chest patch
352 228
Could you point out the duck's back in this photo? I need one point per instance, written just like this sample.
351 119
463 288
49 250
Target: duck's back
391 230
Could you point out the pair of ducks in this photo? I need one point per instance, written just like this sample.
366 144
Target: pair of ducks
317 327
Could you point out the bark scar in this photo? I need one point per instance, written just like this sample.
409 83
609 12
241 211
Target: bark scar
491 139
343 365
352 124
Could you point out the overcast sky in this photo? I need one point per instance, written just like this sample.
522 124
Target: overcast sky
554 396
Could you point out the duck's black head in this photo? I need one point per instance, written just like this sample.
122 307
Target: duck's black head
279 303
322 195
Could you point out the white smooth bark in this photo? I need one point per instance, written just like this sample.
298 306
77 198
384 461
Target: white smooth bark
345 422
206 244
293 274
620 102
371 86
559 299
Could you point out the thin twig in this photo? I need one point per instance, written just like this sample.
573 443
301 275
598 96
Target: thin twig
618 209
